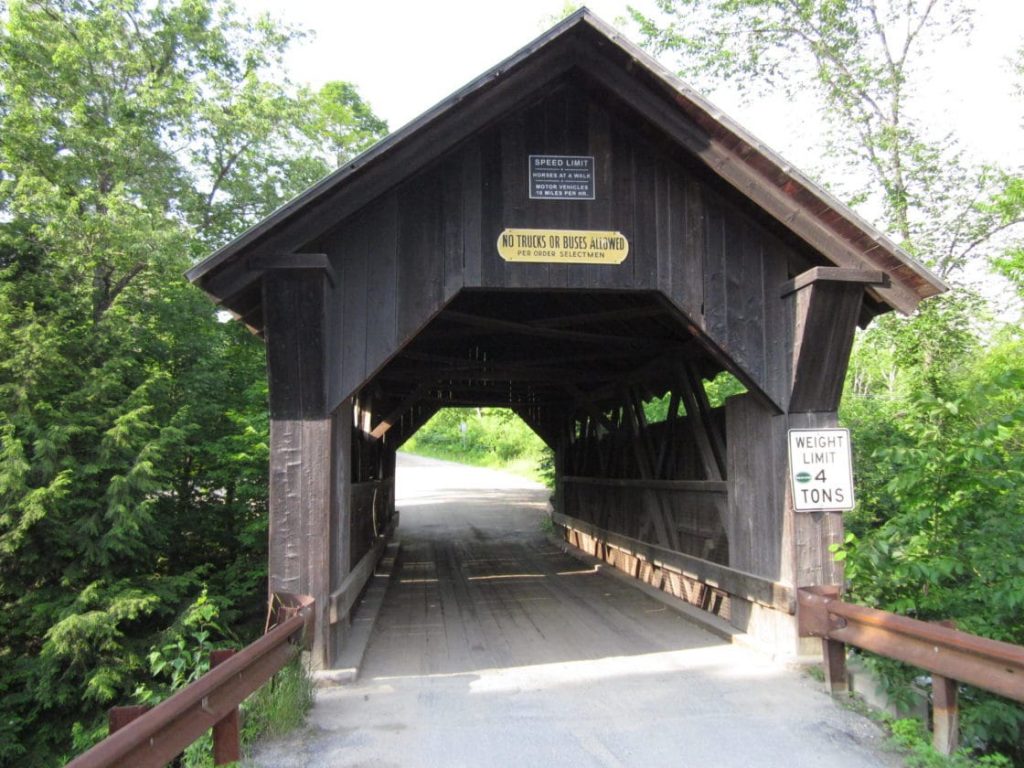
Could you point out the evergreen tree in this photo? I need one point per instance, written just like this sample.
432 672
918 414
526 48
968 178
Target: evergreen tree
134 137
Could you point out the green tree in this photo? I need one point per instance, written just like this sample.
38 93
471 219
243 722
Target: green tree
864 60
932 401
134 137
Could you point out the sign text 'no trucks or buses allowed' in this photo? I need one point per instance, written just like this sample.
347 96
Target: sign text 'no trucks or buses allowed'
820 470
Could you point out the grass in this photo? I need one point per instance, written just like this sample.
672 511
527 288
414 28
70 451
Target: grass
274 710
280 706
911 738
524 466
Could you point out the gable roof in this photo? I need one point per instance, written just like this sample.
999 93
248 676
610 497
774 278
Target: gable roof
585 42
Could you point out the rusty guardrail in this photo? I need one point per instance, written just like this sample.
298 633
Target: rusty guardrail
155 737
951 656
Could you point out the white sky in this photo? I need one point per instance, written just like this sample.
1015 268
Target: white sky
406 55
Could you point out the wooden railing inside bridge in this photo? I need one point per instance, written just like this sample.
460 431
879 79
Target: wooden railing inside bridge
156 736
950 656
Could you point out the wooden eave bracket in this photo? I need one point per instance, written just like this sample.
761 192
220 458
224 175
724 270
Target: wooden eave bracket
294 261
865 277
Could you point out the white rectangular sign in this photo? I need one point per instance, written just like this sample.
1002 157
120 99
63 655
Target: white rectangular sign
820 469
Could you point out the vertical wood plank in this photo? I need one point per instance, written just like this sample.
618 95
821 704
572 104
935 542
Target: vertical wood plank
756 461
688 275
472 221
454 236
420 253
715 297
645 255
353 278
380 308
341 507
833 655
492 270
227 732
825 320
300 443
777 357
945 715
621 197
514 196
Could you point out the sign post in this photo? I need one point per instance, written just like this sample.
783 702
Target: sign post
821 470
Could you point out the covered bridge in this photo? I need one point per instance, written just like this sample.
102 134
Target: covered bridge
572 234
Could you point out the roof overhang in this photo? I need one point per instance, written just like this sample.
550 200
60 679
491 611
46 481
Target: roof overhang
584 42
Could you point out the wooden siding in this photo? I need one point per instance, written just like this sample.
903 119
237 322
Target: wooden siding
404 256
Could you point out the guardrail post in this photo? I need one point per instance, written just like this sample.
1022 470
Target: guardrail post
945 709
119 717
227 747
945 714
833 657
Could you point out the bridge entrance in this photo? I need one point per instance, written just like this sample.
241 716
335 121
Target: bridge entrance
493 647
570 235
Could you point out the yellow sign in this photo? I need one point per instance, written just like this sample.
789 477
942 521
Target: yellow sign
557 246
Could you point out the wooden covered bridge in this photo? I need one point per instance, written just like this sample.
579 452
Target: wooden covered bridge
570 235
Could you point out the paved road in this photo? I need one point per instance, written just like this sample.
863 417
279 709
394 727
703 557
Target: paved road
494 649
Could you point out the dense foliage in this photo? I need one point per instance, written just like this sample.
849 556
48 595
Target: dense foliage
935 401
486 437
138 135
134 137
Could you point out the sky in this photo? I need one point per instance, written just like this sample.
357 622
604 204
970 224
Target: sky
406 55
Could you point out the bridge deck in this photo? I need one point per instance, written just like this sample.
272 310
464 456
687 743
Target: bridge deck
494 648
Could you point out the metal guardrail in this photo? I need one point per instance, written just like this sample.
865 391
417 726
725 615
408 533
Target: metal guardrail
951 656
157 736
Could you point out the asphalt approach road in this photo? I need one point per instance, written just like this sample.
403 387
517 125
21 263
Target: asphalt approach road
493 648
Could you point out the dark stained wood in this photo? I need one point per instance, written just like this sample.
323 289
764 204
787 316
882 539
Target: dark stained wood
300 440
589 51
698 414
688 274
588 318
756 447
227 733
340 533
813 533
834 275
398 411
473 245
545 429
348 591
698 486
421 253
541 332
454 235
824 321
726 165
355 269
119 717
384 299
313 261
381 254
746 585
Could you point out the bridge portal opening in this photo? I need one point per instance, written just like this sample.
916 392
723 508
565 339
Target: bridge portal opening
573 235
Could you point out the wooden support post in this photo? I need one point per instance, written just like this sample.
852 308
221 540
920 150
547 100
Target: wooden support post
945 709
945 715
227 741
833 661
119 717
294 302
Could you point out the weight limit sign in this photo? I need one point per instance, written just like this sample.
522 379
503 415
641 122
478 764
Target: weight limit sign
821 470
